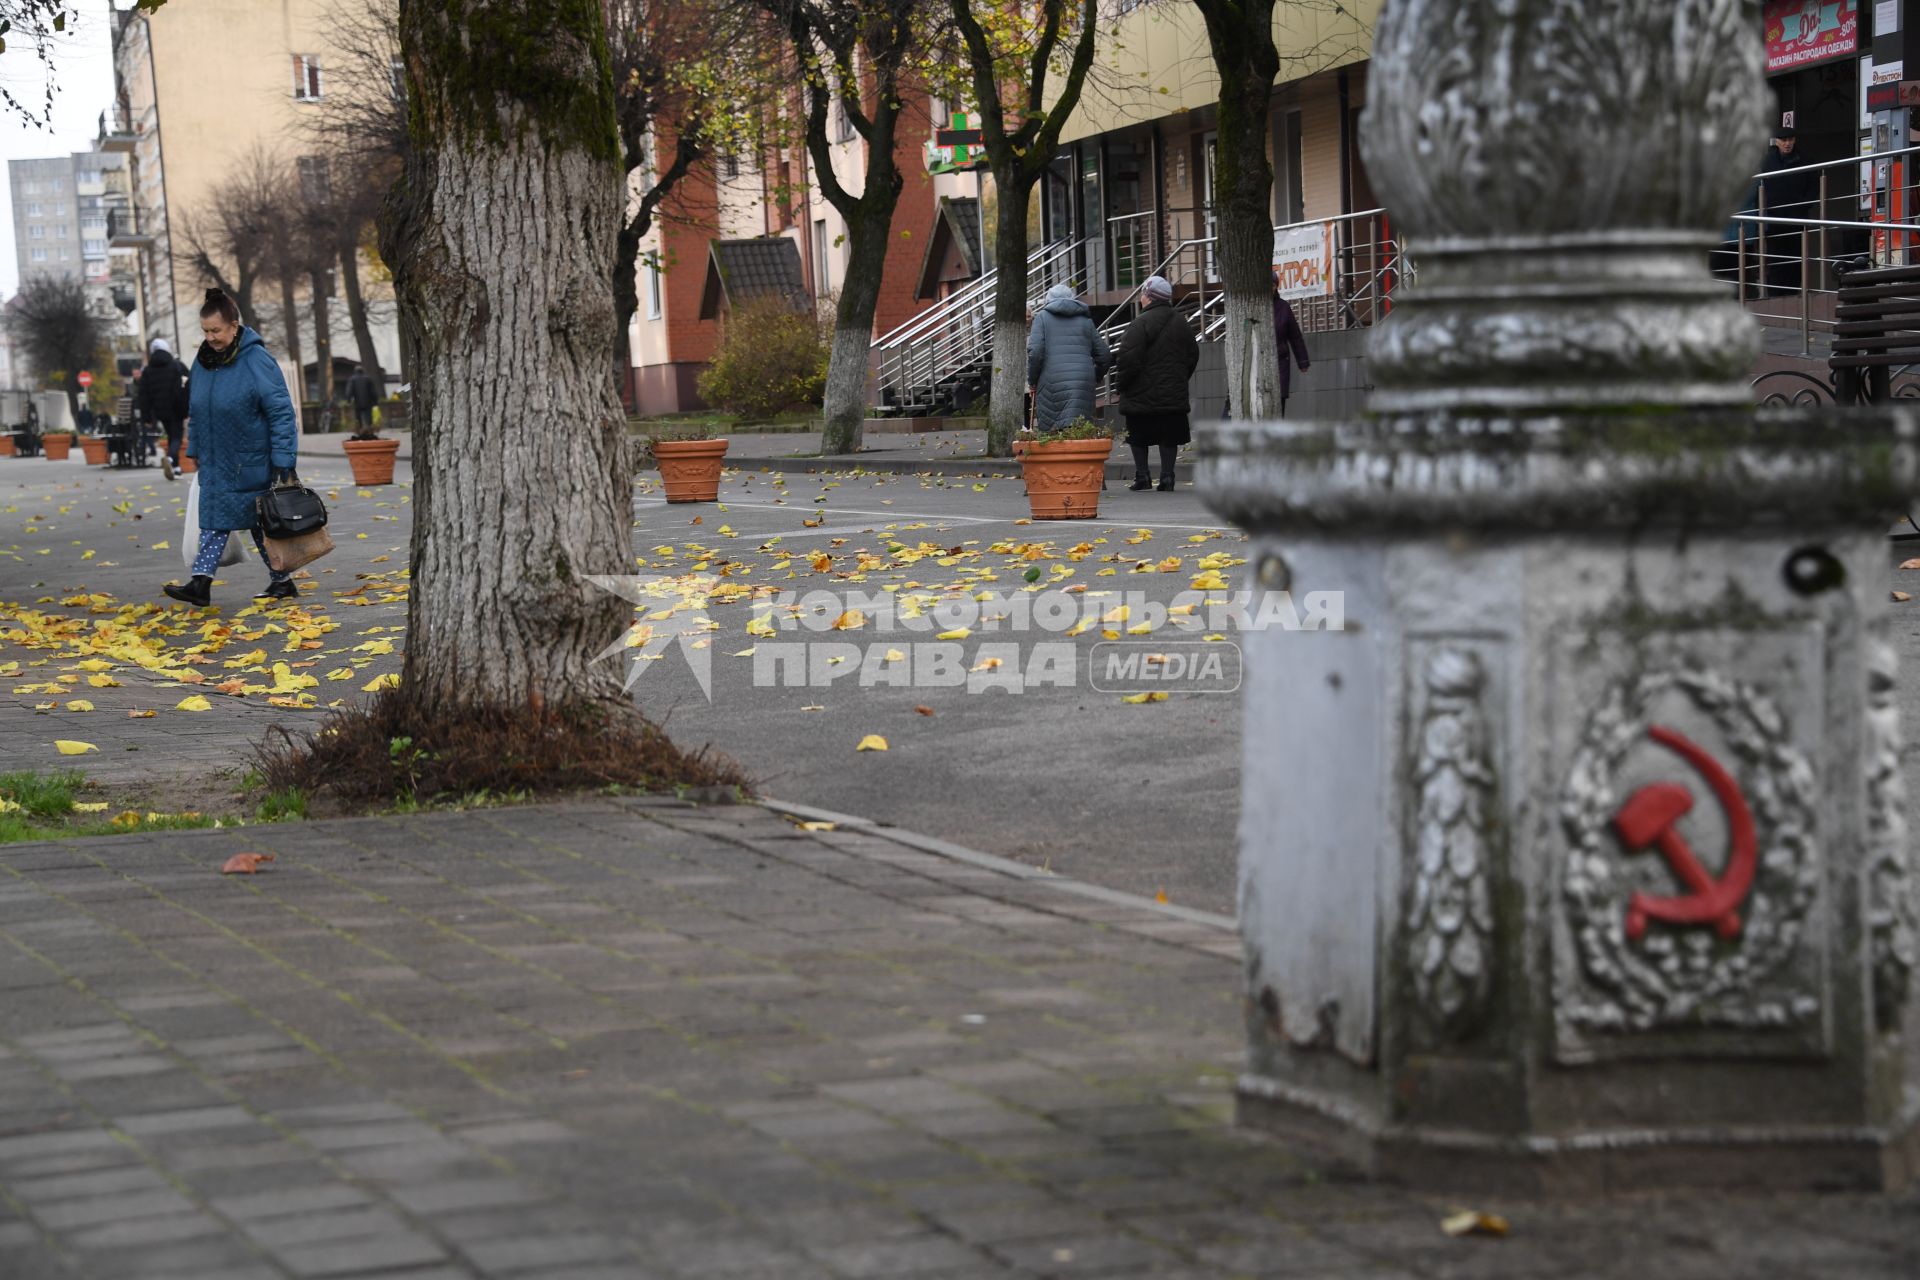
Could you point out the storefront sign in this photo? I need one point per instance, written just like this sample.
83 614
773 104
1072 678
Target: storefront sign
1889 72
1886 17
1802 32
1303 259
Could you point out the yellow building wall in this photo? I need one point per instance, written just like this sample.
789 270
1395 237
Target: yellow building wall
1160 63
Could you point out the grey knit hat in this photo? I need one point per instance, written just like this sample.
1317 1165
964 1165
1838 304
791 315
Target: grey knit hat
1158 289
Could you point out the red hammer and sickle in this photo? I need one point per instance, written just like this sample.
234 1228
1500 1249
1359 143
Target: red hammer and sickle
1650 818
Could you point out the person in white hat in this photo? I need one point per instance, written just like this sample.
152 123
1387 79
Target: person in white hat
161 400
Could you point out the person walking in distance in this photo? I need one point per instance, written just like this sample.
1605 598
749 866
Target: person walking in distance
362 395
1152 373
244 438
1066 358
1288 342
161 400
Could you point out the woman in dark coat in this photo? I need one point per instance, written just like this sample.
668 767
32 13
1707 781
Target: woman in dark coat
242 433
1066 358
1152 371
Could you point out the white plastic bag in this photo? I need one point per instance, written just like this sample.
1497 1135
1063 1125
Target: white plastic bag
190 536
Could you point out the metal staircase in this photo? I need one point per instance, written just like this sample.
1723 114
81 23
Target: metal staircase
941 361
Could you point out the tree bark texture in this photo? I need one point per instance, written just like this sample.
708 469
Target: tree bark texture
1241 36
844 405
290 322
357 316
322 342
501 235
1007 412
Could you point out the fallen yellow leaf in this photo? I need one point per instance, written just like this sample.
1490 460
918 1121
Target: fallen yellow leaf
1469 1222
872 742
197 702
819 826
1141 699
68 747
79 704
849 620
103 682
958 633
391 680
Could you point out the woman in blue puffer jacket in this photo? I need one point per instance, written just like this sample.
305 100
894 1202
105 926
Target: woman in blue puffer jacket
242 432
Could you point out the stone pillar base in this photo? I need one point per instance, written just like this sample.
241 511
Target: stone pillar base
1779 1158
1577 859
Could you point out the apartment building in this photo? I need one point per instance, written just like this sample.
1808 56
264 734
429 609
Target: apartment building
60 227
187 113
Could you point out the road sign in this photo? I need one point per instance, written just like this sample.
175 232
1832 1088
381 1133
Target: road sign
86 379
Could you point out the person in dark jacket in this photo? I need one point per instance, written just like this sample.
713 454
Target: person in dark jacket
160 399
1785 194
1152 372
1288 341
1066 358
362 395
244 437
84 419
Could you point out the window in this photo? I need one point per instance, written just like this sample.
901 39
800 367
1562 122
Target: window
62 231
93 248
37 255
397 80
38 231
306 77
654 307
34 209
821 286
89 177
66 253
842 123
729 166
32 188
316 185
59 186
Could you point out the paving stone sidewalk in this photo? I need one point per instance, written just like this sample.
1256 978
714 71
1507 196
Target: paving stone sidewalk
626 1039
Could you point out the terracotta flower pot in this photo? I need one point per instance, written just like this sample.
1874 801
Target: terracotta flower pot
371 460
56 447
7 449
94 450
690 469
1063 478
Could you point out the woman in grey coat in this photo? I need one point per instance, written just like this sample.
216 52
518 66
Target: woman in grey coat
1066 358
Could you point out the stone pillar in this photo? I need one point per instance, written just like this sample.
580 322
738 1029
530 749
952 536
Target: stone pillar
1577 859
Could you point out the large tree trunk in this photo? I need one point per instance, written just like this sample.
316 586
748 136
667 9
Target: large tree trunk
1007 409
845 405
1247 64
501 235
357 316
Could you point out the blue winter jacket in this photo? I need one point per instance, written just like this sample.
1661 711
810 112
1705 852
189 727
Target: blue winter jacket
1066 358
241 431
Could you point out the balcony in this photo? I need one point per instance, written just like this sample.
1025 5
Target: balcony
123 231
116 130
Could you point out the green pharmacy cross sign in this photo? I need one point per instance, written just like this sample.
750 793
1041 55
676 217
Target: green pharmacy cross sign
957 148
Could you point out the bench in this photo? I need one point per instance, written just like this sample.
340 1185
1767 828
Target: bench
128 443
1877 331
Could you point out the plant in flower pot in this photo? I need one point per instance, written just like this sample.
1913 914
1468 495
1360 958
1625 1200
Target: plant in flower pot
94 450
8 445
370 456
689 459
1064 470
55 444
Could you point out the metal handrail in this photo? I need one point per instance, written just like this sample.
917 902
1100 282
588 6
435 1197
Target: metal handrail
1039 257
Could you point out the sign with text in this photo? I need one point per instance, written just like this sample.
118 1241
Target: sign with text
1802 32
1303 259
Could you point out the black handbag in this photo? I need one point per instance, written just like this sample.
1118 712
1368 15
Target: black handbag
289 510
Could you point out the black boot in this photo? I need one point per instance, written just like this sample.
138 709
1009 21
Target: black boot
283 590
197 592
1168 452
1141 480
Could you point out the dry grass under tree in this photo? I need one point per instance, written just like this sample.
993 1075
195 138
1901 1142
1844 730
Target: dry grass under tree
382 755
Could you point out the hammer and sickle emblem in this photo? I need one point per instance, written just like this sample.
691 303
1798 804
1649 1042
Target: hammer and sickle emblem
1650 818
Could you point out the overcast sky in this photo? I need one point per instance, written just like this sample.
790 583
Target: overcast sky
83 76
